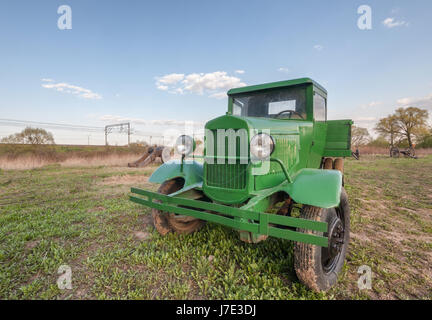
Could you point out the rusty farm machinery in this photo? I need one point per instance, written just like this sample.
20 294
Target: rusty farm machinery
395 152
149 157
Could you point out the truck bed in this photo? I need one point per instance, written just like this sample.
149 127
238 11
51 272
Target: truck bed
338 140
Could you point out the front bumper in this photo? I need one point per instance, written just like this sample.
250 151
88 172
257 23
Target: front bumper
237 218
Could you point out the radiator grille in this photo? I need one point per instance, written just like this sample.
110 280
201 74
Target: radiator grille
228 176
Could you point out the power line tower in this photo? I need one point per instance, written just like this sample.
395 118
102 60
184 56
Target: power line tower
120 128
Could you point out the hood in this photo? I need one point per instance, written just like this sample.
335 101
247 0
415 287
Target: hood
276 126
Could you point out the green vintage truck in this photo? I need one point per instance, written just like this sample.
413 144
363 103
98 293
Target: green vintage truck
272 166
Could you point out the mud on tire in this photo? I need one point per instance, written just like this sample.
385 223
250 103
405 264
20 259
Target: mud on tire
318 267
165 222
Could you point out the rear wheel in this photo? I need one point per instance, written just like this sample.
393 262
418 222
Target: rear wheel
318 267
410 152
165 222
394 152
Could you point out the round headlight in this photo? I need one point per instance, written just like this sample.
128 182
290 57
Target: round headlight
185 145
261 146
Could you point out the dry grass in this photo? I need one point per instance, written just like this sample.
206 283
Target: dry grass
29 162
380 150
111 160
23 157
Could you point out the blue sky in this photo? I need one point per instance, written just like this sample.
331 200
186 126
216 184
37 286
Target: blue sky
110 64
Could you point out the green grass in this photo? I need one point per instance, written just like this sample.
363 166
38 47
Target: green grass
81 217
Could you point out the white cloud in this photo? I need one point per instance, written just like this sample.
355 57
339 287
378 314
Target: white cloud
371 104
218 95
239 71
392 23
284 70
364 119
162 87
112 118
422 102
177 90
47 80
374 103
365 122
70 88
318 47
172 78
211 84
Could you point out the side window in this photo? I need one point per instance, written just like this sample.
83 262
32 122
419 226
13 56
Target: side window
320 108
237 107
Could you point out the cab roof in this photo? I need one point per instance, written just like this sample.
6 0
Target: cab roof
279 84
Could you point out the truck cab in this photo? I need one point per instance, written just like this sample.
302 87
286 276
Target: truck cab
294 114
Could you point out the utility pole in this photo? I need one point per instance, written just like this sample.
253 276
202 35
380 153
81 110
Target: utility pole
121 128
128 133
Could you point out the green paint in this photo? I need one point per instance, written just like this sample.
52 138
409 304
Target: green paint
300 145
190 171
260 221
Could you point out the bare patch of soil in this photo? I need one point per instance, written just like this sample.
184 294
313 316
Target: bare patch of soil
140 235
124 180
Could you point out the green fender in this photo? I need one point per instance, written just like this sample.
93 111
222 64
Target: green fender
190 171
316 187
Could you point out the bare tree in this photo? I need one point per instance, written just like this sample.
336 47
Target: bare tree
359 136
30 136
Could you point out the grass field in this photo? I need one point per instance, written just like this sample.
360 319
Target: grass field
81 217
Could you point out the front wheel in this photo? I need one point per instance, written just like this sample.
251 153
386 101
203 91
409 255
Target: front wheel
318 267
165 222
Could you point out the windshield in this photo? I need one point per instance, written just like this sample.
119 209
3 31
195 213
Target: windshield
287 103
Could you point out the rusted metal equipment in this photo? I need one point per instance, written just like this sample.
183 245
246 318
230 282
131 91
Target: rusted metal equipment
408 153
149 157
356 154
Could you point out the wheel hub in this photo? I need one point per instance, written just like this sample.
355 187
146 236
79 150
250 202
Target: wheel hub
336 237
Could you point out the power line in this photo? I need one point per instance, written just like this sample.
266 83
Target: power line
82 128
12 122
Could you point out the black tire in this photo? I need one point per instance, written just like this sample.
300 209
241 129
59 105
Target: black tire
394 152
318 267
410 152
165 222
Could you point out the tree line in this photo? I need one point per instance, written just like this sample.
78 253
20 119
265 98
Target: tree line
406 127
30 136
